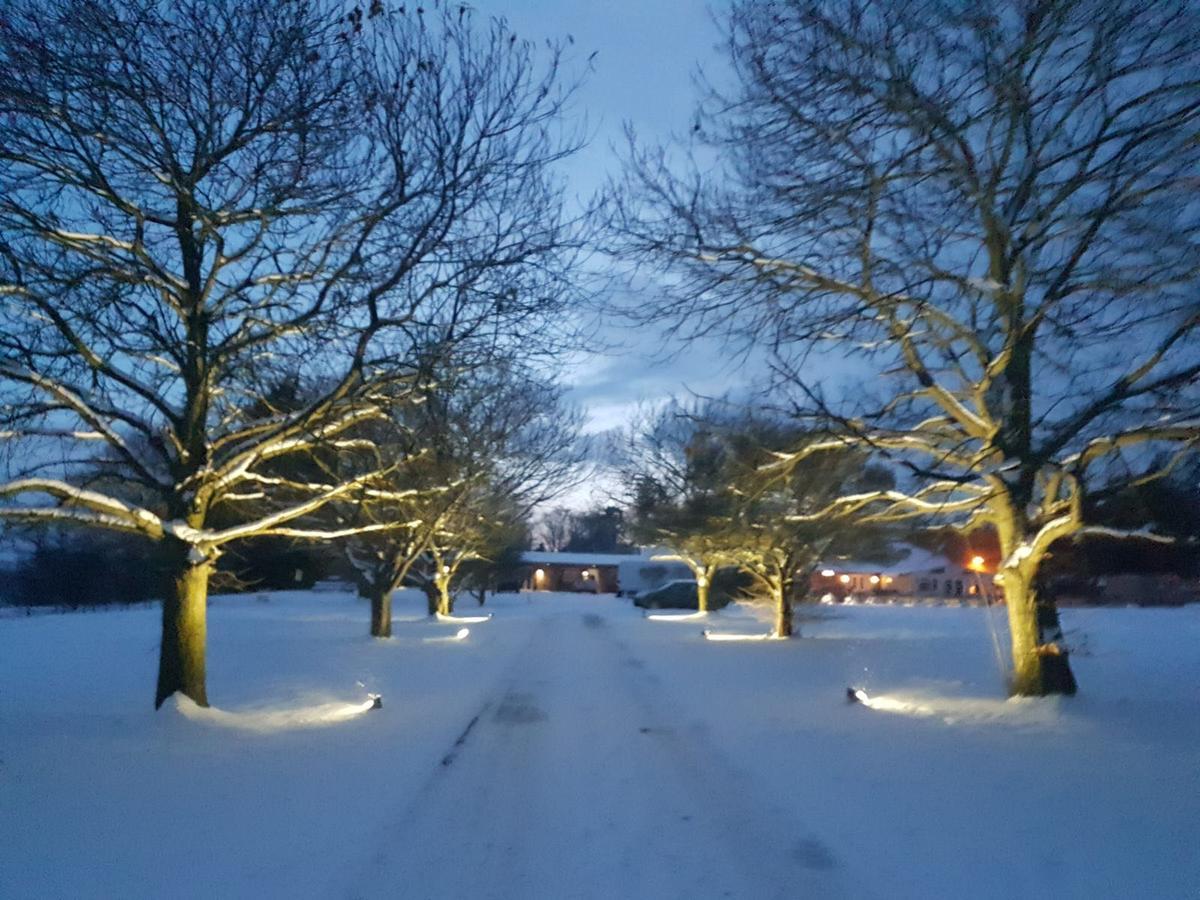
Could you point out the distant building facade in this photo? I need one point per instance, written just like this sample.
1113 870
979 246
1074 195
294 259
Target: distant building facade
598 573
919 574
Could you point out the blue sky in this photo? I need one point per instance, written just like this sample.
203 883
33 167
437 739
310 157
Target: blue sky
646 56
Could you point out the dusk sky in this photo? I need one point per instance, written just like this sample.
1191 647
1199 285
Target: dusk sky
646 57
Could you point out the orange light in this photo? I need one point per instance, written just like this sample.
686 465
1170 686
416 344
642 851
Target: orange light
976 564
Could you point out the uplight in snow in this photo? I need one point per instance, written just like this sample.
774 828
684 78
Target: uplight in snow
886 704
459 635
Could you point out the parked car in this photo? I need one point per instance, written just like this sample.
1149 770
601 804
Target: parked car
679 594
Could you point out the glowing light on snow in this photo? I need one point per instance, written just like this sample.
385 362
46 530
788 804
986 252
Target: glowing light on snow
266 721
723 636
465 620
889 704
460 635
676 617
827 573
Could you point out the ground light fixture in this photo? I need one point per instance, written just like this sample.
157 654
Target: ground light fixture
884 704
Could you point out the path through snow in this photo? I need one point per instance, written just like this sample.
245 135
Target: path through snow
576 780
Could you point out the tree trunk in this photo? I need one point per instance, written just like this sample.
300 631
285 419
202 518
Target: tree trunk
445 603
1040 663
432 600
184 635
702 589
783 613
381 613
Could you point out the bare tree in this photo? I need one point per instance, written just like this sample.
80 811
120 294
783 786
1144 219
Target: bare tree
677 480
195 196
706 485
486 445
990 207
554 528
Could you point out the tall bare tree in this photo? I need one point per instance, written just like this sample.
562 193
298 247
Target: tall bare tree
198 195
989 209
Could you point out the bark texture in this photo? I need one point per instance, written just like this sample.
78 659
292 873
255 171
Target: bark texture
1041 664
184 635
783 614
381 613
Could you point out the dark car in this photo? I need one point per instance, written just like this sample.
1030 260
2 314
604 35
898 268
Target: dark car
676 595
672 595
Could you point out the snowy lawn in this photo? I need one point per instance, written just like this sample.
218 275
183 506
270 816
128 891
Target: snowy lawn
570 747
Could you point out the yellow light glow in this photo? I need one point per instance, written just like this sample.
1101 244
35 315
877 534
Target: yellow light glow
845 579
676 617
827 573
719 636
888 704
874 579
976 564
887 579
266 721
467 620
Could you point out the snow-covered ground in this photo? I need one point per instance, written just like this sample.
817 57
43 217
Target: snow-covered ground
570 748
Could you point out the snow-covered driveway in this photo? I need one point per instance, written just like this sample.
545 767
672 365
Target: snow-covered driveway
577 778
570 748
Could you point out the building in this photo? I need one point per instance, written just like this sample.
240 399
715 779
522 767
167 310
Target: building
598 573
919 573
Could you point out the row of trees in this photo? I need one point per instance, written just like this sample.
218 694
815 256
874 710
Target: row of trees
703 483
981 219
203 200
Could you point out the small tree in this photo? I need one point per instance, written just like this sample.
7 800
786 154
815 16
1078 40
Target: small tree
785 521
487 443
677 483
